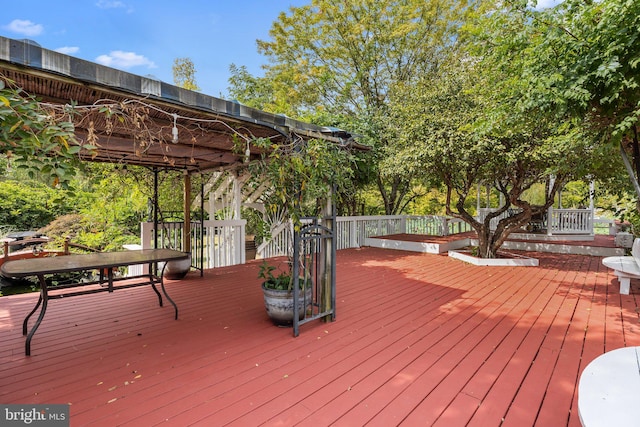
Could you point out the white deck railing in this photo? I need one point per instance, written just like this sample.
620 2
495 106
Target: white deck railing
223 242
483 212
558 221
352 231
279 244
569 221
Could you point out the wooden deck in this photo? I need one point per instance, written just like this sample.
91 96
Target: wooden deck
419 340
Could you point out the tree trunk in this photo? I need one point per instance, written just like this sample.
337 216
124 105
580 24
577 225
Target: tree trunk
485 249
392 198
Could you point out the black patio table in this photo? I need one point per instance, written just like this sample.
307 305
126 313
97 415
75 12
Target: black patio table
105 262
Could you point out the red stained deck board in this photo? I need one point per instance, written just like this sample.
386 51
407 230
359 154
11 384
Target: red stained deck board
460 334
386 364
503 329
243 393
594 332
484 378
506 385
329 363
535 386
400 317
434 403
459 411
562 385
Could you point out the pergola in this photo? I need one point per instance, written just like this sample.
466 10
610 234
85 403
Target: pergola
159 125
136 120
207 127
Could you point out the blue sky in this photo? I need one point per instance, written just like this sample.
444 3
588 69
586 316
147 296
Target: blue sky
145 37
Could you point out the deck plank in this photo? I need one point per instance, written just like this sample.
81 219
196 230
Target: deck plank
419 339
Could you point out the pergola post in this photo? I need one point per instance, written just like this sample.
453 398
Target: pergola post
328 267
186 233
237 198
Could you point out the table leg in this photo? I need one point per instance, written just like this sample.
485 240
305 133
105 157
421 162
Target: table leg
44 296
26 319
164 290
152 279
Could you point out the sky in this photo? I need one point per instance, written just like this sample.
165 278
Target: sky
145 37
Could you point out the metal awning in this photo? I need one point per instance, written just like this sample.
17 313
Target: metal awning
211 132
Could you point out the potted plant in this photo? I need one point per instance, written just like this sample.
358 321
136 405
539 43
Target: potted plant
303 175
277 287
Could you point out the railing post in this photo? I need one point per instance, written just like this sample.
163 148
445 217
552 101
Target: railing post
353 233
550 221
243 244
445 226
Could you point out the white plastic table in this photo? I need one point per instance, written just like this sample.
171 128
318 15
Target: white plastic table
609 390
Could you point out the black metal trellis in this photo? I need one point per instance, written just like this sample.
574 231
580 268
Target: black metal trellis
314 255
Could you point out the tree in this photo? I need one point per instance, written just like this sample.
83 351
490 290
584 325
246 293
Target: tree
32 206
184 74
34 138
341 60
588 66
302 174
468 125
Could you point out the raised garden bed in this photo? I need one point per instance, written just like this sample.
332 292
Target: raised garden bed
505 259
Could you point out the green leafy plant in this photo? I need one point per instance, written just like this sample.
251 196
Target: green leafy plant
302 175
36 139
274 279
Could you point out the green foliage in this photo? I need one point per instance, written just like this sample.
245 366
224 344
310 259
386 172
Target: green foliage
302 174
280 281
578 63
33 139
276 279
466 123
31 206
104 212
588 61
338 62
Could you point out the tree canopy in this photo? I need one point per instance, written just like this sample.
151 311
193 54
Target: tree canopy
342 60
472 123
184 74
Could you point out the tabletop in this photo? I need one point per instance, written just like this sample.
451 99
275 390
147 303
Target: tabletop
98 260
609 389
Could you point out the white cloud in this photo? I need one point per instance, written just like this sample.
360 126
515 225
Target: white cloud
109 4
113 4
120 59
24 27
68 50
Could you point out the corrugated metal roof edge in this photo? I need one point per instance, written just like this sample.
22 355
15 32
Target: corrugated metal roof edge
27 54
